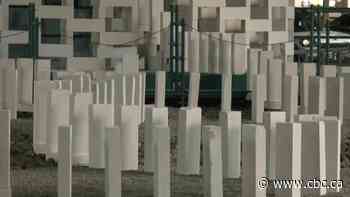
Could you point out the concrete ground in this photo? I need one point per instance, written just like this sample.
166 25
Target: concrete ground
32 176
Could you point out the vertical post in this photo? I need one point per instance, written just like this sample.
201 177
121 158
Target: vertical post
33 40
327 39
171 44
183 88
65 161
312 34
177 51
318 39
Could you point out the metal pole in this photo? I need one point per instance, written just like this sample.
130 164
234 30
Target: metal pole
319 24
312 34
327 38
177 52
171 44
183 62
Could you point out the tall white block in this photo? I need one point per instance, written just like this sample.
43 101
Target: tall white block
159 99
290 97
113 156
212 162
253 62
127 118
240 53
288 157
328 71
226 54
100 116
271 119
346 99
162 173
120 89
313 160
226 92
290 69
80 125
5 142
204 53
317 95
231 123
214 53
40 115
189 141
259 88
253 159
274 84
307 70
11 95
154 116
194 89
65 161
335 97
60 113
264 56
333 150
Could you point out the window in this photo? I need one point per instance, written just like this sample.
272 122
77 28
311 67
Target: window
209 19
51 2
52 31
83 9
19 18
83 45
234 26
236 3
119 19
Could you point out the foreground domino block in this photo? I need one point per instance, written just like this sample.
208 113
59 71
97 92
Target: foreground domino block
271 119
60 113
307 70
154 116
253 62
11 78
127 118
204 53
230 123
189 141
113 174
226 92
335 97
161 177
160 89
328 71
290 97
253 159
5 141
65 161
288 157
40 115
100 116
259 87
80 125
317 95
274 84
333 150
194 89
212 162
313 155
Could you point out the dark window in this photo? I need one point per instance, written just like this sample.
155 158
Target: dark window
19 18
19 51
82 45
51 31
52 2
83 9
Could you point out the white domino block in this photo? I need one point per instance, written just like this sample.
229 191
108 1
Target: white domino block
231 123
307 70
5 142
328 71
194 89
80 126
274 84
317 95
113 156
60 113
154 116
212 162
333 151
204 53
259 88
253 61
335 97
65 161
253 160
313 164
160 89
127 118
271 119
162 173
288 157
226 92
189 141
290 97
100 116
